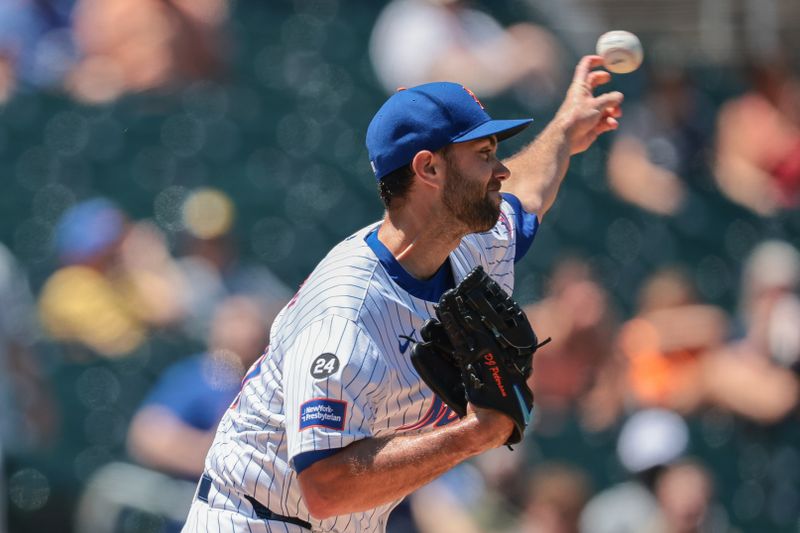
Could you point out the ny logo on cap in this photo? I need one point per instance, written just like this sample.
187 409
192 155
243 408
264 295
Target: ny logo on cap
472 94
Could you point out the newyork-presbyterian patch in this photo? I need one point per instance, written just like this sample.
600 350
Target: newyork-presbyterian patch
323 412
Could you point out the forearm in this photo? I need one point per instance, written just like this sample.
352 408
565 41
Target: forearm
538 169
373 472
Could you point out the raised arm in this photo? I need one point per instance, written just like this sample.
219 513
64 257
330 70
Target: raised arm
538 169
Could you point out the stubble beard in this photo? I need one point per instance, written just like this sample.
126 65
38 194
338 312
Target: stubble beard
469 202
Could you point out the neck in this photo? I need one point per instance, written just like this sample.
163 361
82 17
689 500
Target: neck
420 240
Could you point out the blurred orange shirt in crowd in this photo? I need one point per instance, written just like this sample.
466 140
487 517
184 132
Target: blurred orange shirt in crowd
663 350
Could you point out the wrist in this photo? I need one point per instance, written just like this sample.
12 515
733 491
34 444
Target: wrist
563 121
486 429
558 131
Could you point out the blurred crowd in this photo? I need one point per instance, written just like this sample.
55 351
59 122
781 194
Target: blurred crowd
117 293
632 388
100 50
667 401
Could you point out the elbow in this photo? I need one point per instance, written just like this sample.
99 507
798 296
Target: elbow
334 485
532 198
319 507
535 205
321 503
320 498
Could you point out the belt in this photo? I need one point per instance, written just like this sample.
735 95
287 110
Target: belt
262 512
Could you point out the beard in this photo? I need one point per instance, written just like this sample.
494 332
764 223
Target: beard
469 202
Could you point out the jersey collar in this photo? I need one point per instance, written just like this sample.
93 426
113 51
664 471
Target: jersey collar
429 290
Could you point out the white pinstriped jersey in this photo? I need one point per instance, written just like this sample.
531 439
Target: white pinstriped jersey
337 370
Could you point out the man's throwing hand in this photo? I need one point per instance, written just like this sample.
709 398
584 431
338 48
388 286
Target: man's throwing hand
583 115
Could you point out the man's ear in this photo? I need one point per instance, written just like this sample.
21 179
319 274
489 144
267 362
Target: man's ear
429 168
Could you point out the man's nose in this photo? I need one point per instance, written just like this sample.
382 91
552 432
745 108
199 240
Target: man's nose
501 171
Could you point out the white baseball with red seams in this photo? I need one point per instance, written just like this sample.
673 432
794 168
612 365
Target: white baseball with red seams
621 50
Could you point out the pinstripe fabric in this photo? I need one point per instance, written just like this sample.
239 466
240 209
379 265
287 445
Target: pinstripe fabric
350 307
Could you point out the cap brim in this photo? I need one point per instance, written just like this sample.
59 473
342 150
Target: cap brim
503 129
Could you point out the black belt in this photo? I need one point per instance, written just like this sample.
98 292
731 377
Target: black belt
262 512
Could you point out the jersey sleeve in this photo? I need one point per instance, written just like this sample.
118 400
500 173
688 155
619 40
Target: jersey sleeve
507 242
330 373
524 224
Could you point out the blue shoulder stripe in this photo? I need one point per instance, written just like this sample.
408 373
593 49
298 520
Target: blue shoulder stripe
525 224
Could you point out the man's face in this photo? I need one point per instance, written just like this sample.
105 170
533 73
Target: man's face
472 187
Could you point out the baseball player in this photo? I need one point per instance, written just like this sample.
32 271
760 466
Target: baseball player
333 426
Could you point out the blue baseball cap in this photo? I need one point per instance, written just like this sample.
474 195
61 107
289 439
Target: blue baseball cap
429 117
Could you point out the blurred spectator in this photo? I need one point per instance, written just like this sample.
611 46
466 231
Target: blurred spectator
684 492
131 46
36 46
487 494
662 143
419 41
576 370
123 497
209 260
459 494
556 496
758 141
770 306
649 440
499 492
677 356
173 429
118 280
28 415
664 343
755 375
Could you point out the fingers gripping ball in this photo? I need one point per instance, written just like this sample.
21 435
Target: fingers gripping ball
491 346
621 50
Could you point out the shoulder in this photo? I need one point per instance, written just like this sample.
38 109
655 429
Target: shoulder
338 286
344 275
332 347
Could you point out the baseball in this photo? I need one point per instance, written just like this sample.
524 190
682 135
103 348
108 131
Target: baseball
621 51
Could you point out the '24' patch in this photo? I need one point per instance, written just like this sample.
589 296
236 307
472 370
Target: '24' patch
324 365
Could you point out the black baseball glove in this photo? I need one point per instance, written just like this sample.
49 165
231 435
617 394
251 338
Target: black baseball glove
479 350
